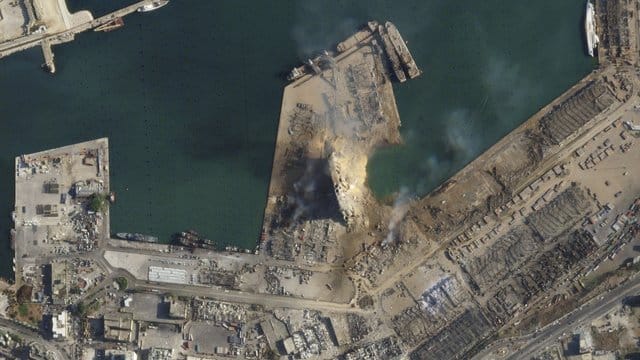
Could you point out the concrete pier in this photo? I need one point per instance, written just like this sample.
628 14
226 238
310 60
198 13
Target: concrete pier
65 27
49 64
53 212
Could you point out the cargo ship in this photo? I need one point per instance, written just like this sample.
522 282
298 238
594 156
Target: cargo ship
590 28
153 6
192 239
137 237
391 54
297 72
402 50
402 63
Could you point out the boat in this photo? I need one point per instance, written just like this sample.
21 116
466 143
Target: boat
296 73
590 28
137 237
357 38
111 25
403 51
391 54
192 239
155 5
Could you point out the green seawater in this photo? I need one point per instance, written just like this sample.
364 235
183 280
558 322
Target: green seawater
189 97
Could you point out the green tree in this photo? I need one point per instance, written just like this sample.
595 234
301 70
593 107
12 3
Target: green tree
23 310
271 355
98 202
81 309
122 282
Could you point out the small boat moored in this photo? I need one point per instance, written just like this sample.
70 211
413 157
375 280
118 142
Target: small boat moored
590 28
155 5
137 237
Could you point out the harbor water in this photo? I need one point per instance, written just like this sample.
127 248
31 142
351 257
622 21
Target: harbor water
189 97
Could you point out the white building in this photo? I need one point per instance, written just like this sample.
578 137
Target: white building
60 326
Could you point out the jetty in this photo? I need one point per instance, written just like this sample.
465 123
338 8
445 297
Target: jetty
49 23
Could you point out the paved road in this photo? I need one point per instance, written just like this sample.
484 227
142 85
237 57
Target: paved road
32 336
267 300
548 163
581 316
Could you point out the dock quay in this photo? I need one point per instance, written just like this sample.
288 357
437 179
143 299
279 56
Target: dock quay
53 212
52 24
480 253
535 238
332 118
47 53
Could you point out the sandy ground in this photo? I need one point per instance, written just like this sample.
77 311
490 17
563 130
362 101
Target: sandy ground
12 21
56 17
4 305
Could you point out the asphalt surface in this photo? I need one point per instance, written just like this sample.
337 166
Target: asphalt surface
244 297
32 336
581 316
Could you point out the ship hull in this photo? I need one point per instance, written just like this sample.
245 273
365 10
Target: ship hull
137 237
590 28
153 6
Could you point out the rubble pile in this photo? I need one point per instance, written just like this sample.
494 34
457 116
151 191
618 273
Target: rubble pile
86 226
439 304
561 213
566 118
454 341
527 149
318 236
358 327
362 84
218 312
501 259
553 264
613 27
218 277
383 349
443 297
303 124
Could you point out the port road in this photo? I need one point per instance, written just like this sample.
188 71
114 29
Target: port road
579 317
32 337
25 42
582 316
553 160
266 300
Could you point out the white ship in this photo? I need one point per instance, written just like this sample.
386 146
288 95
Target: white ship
153 6
590 28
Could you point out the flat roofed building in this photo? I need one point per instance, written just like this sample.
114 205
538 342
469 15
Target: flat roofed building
160 354
60 328
87 188
289 346
178 309
167 275
56 276
120 328
120 355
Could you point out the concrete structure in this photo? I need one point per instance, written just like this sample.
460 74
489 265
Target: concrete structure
167 275
60 326
29 23
503 247
46 223
87 188
120 355
289 346
119 328
178 309
59 287
160 354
